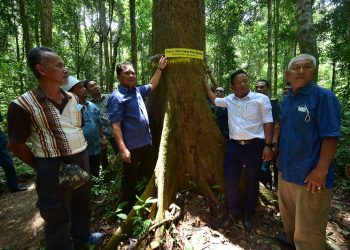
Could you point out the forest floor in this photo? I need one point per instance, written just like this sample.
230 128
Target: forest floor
21 226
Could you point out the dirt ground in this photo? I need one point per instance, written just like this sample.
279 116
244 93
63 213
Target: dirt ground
21 226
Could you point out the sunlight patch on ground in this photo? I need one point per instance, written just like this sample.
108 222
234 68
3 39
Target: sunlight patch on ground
31 187
206 238
36 224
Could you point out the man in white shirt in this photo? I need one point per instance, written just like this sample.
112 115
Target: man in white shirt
250 143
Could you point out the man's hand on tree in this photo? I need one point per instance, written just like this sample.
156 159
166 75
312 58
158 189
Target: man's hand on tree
162 62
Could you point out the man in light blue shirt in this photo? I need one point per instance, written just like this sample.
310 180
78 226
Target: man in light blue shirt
130 125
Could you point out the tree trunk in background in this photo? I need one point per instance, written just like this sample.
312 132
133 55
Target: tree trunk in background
46 22
104 34
305 30
133 35
269 41
334 72
116 40
191 147
276 35
37 24
25 27
18 50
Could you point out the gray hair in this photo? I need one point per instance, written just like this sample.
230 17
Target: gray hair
302 57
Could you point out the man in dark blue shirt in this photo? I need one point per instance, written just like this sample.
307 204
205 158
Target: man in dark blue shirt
264 87
310 130
131 131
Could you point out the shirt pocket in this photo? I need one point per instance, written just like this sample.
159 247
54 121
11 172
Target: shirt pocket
252 111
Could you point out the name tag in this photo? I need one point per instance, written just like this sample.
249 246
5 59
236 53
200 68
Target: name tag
302 109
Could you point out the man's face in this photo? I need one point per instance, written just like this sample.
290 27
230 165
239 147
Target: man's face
80 91
220 93
261 87
52 68
286 89
93 88
240 85
300 74
127 77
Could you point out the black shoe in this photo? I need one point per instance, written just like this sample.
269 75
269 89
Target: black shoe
248 222
227 221
282 238
19 188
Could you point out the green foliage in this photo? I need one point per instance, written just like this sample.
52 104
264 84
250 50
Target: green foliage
343 153
141 225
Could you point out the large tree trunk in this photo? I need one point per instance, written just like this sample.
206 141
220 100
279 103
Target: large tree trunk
104 34
191 147
305 30
46 22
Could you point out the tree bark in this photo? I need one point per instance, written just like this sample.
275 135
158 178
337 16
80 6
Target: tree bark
104 35
133 35
190 144
46 23
306 31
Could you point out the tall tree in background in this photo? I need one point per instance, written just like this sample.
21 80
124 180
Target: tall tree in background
25 26
269 40
46 22
276 35
190 144
133 34
305 29
104 30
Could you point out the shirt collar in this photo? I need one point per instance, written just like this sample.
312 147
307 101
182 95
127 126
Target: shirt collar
124 90
306 90
247 96
41 95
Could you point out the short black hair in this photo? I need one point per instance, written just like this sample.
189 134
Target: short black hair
35 56
236 73
120 67
85 83
267 83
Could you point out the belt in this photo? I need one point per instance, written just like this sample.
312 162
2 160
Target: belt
244 142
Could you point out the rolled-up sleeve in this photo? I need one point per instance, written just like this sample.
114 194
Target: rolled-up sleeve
220 102
266 110
115 109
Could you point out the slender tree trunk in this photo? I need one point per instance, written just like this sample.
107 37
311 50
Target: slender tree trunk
334 72
18 50
46 22
104 35
133 34
305 30
116 40
269 41
37 23
276 35
25 26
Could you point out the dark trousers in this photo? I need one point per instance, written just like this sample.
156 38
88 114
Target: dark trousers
142 164
237 156
94 162
66 212
104 155
7 164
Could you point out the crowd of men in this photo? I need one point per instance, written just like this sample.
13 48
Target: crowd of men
299 136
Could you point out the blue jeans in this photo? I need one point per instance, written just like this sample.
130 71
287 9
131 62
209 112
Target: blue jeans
237 156
7 164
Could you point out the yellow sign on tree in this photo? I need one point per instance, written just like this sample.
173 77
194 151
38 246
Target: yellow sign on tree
183 52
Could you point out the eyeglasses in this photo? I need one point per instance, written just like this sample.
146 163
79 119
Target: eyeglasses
298 68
